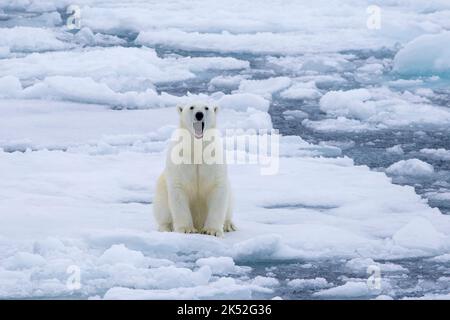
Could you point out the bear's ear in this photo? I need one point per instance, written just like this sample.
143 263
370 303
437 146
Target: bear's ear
216 109
180 109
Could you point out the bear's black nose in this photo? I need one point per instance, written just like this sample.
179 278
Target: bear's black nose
199 116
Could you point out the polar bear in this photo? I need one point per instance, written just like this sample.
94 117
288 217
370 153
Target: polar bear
194 196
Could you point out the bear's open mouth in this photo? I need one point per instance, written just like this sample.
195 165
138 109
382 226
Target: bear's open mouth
199 126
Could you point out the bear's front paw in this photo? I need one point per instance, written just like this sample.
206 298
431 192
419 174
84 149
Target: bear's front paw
186 230
229 226
213 232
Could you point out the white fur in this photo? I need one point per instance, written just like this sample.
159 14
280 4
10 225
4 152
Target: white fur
194 197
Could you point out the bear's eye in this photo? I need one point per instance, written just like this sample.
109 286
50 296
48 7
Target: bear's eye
192 107
206 108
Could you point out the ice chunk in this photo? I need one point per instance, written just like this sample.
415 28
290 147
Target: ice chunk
292 146
262 42
403 83
384 297
293 42
87 90
220 265
49 246
86 37
361 265
258 248
437 154
301 90
244 101
224 288
323 63
264 87
4 52
438 196
379 108
350 103
338 124
371 68
229 82
350 289
10 86
24 260
444 258
102 64
294 114
15 284
397 149
265 281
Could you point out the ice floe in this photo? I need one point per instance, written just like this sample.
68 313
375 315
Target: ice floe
86 116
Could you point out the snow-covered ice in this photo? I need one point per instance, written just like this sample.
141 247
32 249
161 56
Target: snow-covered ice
425 55
410 167
99 216
86 116
397 149
301 91
302 284
440 154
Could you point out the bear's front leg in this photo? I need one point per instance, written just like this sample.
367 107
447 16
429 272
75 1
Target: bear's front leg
179 208
217 208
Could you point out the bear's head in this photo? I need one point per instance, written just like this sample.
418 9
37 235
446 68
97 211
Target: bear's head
197 117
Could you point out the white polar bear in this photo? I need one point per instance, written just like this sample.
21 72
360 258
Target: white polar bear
193 196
